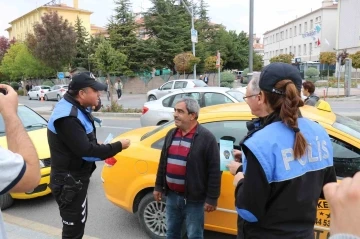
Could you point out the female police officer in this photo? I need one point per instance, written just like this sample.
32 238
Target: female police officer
286 162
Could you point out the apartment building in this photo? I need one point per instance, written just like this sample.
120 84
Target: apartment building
306 36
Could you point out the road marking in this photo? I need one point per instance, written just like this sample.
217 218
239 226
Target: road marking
35 226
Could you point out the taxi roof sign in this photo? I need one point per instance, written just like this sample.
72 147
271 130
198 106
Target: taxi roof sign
323 105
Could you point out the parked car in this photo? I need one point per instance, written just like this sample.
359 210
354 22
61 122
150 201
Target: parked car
129 177
160 111
56 92
38 92
36 127
172 85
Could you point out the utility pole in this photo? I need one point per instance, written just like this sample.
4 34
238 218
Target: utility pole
251 36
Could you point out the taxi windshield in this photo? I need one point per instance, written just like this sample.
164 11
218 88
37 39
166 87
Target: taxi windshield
347 125
157 129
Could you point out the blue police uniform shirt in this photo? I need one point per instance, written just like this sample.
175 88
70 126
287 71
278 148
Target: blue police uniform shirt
273 148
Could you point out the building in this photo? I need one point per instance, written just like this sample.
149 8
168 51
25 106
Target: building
98 31
306 36
348 32
23 25
258 46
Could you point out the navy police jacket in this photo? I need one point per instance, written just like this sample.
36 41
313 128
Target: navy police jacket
278 196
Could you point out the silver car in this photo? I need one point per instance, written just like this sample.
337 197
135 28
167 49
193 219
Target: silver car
160 111
172 85
56 92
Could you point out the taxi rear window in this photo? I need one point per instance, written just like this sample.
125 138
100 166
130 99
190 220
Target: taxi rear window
347 125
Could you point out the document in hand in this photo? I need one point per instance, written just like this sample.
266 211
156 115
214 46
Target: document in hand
109 138
226 156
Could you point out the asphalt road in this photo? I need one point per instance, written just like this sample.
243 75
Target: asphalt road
105 219
138 100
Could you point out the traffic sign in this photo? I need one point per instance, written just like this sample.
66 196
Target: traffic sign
194 36
61 75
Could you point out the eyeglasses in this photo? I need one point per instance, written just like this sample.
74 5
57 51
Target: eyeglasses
245 97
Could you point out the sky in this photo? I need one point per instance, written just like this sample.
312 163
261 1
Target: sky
234 14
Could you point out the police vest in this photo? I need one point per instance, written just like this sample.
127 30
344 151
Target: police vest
64 109
273 147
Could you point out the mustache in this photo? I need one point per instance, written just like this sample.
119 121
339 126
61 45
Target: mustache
176 118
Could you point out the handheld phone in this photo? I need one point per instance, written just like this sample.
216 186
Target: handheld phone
3 91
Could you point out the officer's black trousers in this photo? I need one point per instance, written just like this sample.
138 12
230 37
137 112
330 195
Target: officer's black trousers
73 215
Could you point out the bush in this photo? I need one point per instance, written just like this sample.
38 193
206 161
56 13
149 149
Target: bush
227 79
324 73
15 85
48 82
117 108
245 72
311 72
333 83
20 92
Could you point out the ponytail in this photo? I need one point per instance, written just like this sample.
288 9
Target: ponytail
288 105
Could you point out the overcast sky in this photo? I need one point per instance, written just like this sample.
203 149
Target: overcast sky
234 14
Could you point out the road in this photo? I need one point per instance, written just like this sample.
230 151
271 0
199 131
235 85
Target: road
138 100
105 219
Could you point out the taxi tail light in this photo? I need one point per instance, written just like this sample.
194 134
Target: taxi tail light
144 110
110 161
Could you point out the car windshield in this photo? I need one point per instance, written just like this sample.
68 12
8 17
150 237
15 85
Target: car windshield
65 86
29 119
45 87
199 83
236 94
157 129
347 125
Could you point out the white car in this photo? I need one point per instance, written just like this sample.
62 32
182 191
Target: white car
38 92
172 85
160 111
56 92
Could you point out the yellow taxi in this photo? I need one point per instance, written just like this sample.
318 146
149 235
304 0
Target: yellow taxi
129 177
36 127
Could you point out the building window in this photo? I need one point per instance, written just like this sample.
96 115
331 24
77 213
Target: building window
304 49
299 50
289 49
295 31
305 27
294 50
285 50
281 51
277 52
316 19
310 48
319 19
290 32
311 25
286 34
299 29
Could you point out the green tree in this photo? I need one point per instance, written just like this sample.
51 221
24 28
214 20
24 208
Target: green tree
210 64
56 41
82 51
184 62
227 79
169 26
356 62
122 30
328 58
109 60
312 72
258 62
285 58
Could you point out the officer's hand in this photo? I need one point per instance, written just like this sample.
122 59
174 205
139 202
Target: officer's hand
8 102
237 155
237 178
157 196
209 208
125 143
344 201
233 167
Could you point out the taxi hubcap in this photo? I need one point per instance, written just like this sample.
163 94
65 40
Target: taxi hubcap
154 217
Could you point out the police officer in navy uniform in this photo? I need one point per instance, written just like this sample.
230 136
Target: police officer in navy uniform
74 150
286 161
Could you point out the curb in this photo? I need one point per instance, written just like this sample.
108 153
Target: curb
115 115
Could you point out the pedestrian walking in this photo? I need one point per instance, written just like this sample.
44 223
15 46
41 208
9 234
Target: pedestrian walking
74 150
286 161
188 173
118 86
19 164
108 88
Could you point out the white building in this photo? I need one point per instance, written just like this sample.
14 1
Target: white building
304 37
349 26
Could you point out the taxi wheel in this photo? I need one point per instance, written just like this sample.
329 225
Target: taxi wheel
152 217
6 201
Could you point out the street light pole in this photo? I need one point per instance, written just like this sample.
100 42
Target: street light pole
251 35
192 27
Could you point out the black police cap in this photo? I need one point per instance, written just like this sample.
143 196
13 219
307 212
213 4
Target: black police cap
85 79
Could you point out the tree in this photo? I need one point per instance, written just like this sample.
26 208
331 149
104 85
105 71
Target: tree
258 62
56 41
210 64
285 58
342 56
356 61
311 72
122 30
227 79
328 58
82 52
5 45
185 62
109 60
169 26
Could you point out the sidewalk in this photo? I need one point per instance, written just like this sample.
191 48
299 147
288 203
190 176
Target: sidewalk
19 228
